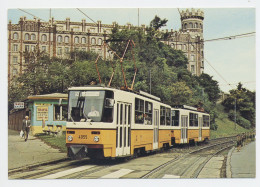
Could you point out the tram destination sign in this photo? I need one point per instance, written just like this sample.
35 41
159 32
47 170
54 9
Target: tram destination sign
18 105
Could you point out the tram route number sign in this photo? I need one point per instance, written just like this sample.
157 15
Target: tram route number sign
18 105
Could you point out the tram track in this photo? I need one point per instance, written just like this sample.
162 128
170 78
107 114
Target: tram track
192 160
40 171
52 169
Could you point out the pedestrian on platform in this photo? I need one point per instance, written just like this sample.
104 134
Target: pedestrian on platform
239 142
26 127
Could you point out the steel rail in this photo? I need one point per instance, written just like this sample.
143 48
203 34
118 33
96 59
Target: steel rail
178 158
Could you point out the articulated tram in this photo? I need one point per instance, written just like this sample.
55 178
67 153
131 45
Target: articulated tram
107 122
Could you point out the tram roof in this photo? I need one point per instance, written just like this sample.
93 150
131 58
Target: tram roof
100 87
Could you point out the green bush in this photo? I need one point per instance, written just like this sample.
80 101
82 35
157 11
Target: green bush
239 120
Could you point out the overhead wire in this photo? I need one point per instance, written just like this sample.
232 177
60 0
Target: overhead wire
213 68
31 14
86 16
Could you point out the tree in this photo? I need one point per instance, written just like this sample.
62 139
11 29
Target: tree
210 86
245 105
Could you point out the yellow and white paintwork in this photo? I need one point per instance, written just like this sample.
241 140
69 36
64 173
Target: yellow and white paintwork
142 136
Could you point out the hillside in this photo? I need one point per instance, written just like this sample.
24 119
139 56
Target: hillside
226 127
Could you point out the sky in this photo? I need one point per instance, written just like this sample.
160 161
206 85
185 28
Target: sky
234 60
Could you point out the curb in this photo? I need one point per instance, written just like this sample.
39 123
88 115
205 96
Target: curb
228 164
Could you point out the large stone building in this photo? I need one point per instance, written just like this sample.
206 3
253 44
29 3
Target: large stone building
59 38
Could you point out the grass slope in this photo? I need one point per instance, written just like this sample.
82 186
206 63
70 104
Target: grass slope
58 142
226 127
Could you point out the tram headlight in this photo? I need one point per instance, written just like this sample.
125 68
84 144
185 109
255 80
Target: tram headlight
70 138
96 139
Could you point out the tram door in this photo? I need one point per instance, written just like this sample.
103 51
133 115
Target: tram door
155 129
184 126
200 128
123 129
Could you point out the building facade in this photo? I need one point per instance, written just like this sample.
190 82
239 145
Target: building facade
59 38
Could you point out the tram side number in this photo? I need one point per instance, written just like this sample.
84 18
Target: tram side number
82 136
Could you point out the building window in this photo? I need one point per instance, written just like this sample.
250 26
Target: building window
33 37
66 39
26 36
190 25
15 72
201 26
59 51
43 48
16 36
184 47
15 60
76 39
83 49
15 47
27 48
196 25
191 48
99 41
60 112
67 50
59 38
139 111
192 69
33 48
172 45
83 40
44 37
185 26
192 58
193 120
202 64
93 41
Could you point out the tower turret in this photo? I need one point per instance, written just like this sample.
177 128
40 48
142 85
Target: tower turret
192 21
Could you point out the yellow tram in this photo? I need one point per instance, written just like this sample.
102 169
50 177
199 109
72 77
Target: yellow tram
108 122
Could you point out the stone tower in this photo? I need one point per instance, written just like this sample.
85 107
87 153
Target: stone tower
192 25
192 21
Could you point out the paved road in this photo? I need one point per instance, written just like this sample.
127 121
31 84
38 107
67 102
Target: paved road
34 151
243 163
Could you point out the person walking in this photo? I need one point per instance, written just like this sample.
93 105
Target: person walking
26 127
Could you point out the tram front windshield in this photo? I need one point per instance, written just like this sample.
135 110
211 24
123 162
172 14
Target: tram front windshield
87 105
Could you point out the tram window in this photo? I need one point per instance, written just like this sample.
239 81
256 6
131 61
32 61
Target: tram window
205 121
193 120
129 114
125 114
129 137
121 114
117 114
121 136
162 115
108 107
168 116
139 111
175 117
148 116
